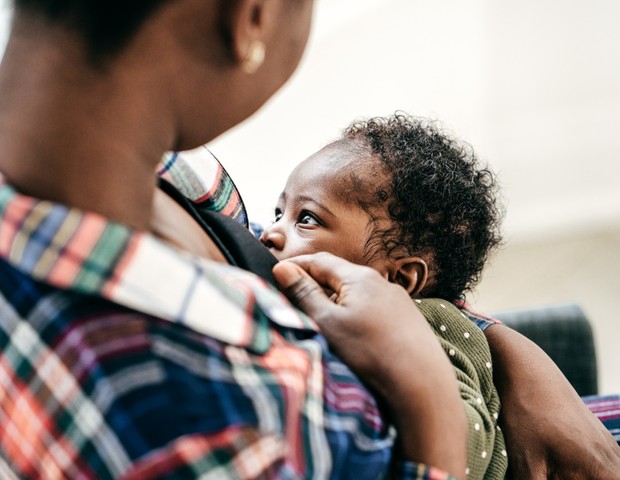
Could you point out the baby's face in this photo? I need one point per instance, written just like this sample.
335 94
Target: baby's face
315 212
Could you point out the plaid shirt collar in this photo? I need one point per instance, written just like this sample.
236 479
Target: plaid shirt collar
201 178
84 252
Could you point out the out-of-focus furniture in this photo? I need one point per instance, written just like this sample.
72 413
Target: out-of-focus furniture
565 334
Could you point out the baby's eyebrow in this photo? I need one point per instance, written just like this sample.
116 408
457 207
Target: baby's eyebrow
308 199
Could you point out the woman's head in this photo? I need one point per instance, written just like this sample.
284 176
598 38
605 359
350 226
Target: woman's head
211 63
106 25
428 202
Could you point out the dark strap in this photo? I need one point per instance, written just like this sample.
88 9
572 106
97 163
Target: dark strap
237 244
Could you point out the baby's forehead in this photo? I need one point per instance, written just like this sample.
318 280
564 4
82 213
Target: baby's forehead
339 159
339 155
333 172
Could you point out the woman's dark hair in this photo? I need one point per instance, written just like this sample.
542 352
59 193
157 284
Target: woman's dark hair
107 25
442 204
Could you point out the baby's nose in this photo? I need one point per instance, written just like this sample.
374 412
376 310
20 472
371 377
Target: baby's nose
272 238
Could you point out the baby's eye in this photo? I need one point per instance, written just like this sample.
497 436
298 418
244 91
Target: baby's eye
307 218
277 215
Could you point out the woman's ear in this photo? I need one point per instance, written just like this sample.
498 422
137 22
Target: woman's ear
246 21
411 273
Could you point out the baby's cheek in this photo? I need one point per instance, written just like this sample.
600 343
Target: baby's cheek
299 248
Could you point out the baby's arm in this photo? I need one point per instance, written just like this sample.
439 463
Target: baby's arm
467 349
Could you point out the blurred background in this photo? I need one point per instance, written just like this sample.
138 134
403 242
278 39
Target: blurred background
533 85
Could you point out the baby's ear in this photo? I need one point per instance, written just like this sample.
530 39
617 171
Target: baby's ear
411 273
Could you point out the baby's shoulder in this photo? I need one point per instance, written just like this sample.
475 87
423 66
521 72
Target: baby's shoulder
443 312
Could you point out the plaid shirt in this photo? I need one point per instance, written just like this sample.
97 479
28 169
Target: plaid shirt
122 357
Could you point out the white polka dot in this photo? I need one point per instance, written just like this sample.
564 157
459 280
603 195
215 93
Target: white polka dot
477 426
442 305
488 364
466 334
452 352
467 471
495 415
499 429
464 316
443 328
484 454
479 401
504 453
418 301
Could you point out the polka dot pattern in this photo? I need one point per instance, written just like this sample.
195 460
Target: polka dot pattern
459 333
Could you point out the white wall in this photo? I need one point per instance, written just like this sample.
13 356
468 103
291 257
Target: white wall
533 85
4 23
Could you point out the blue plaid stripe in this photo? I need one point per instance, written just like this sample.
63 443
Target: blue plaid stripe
481 321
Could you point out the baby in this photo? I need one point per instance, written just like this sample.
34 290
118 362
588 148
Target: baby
400 196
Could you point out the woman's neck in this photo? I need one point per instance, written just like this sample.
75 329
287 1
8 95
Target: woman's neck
79 134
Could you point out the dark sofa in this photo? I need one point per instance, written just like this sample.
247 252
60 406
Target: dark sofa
565 334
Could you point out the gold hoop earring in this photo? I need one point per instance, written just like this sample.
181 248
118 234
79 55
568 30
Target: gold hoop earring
254 58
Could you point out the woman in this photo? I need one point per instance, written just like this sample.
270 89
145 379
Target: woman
124 352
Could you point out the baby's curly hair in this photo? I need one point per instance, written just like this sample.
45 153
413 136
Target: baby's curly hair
442 204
